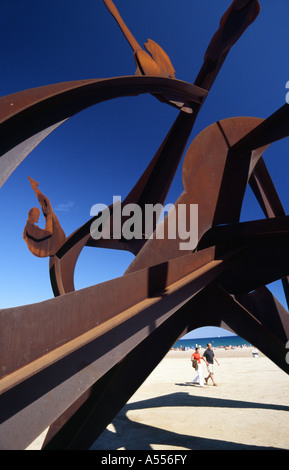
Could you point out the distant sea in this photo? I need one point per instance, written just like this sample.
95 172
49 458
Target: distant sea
216 342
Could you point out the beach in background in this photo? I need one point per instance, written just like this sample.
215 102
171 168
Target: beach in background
233 341
249 408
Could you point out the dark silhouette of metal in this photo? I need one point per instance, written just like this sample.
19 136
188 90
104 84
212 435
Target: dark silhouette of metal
66 363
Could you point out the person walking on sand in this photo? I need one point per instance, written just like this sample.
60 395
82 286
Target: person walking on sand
199 377
209 357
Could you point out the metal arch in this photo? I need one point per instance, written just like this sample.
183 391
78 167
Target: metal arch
61 359
27 117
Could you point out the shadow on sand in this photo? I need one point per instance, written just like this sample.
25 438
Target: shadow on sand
132 435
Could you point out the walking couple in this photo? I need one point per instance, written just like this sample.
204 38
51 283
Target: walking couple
209 358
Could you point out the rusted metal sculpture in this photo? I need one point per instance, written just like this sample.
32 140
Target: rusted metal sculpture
47 241
156 63
66 363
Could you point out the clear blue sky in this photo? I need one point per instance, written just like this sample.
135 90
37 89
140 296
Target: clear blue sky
102 151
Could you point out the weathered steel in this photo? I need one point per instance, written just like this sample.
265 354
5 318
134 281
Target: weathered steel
229 234
207 155
151 188
155 61
79 367
43 242
242 315
103 323
268 198
27 117
81 424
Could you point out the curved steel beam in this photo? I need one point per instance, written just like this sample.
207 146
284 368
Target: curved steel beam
263 257
242 315
29 116
203 175
208 152
268 311
151 188
81 424
252 316
267 196
86 333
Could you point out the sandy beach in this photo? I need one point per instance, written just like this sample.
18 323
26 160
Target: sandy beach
248 409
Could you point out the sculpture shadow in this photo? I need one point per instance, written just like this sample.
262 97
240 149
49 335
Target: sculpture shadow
190 400
131 435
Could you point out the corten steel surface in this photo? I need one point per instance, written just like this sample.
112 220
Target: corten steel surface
66 363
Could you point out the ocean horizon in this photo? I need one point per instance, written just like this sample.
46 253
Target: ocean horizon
216 342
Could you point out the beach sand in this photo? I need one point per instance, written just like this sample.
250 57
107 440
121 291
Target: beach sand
248 409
